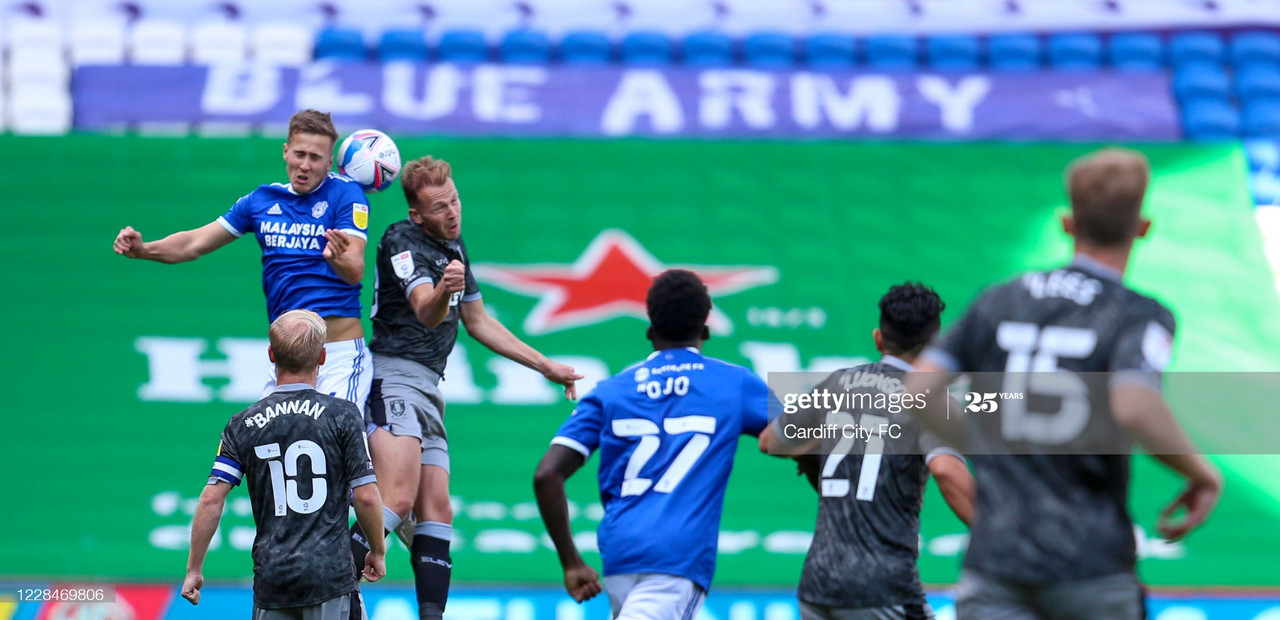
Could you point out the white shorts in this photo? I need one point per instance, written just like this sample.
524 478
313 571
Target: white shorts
653 596
347 372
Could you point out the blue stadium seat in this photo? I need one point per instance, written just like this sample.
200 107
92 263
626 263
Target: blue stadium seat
1258 80
646 48
1248 47
1136 51
402 44
770 50
1261 119
585 47
463 46
1195 47
1201 80
707 49
952 52
890 52
1014 52
1075 51
525 47
829 51
340 44
1210 119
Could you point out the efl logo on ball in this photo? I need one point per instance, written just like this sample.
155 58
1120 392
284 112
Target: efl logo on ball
370 158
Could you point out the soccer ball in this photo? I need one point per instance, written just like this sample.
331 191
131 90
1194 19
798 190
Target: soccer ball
370 158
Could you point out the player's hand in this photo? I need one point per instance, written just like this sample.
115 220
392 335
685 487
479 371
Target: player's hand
565 375
582 582
128 243
191 587
375 566
337 243
455 277
1198 498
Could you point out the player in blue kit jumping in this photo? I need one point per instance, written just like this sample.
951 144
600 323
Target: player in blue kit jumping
312 231
667 430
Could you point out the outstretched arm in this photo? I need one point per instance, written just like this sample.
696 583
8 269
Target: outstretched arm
203 526
580 580
956 484
498 338
179 247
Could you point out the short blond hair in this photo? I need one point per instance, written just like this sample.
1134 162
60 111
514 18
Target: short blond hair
297 340
1107 188
425 171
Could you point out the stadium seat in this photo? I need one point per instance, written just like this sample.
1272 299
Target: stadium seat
402 44
829 51
1258 80
1261 119
646 48
585 47
1210 119
463 45
1136 51
1249 47
1075 51
707 49
157 42
525 47
953 52
1014 52
40 110
38 67
891 52
218 41
282 43
99 42
340 44
1201 80
1195 47
770 50
34 32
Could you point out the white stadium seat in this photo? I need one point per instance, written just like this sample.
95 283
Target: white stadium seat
38 66
34 32
218 41
40 111
158 42
282 43
97 42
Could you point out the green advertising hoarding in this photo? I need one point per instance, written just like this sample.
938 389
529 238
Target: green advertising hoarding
126 371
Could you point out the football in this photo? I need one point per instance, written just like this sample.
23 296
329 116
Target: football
371 158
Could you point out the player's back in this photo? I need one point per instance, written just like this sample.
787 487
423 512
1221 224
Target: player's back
300 452
667 431
1051 469
865 544
290 229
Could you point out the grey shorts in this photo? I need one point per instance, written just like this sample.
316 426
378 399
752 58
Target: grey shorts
810 611
1114 597
338 608
405 400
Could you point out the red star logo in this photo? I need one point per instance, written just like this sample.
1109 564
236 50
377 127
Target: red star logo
610 279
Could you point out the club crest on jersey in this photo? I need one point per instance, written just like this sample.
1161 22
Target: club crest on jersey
318 209
360 215
397 407
402 264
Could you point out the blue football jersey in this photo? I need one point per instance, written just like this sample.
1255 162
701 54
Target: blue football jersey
290 228
667 430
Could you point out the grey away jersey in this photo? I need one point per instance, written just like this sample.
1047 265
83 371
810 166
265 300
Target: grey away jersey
300 452
408 258
865 544
1044 517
